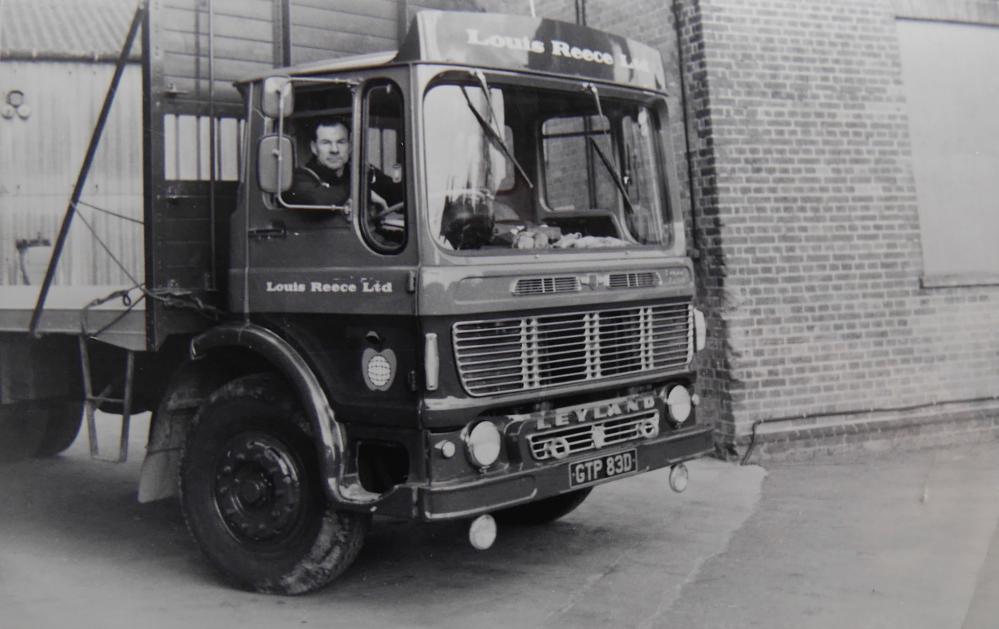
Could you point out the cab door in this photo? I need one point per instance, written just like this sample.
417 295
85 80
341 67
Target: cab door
318 252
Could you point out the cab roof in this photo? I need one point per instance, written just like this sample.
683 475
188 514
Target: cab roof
510 42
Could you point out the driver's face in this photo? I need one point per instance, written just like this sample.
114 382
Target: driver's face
332 147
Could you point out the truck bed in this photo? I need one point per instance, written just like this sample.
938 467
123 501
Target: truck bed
66 313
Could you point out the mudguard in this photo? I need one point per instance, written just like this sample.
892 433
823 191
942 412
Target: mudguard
289 362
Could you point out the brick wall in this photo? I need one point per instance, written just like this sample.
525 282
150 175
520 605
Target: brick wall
822 305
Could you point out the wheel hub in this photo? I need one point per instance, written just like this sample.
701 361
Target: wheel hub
258 489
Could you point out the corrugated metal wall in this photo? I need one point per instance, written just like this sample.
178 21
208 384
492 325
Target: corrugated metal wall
322 29
40 156
244 34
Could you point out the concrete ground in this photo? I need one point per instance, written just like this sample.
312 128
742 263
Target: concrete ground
887 540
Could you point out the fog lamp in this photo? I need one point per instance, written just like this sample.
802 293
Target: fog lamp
483 443
679 404
482 532
678 478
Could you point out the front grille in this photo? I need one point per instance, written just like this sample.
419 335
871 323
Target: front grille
563 442
544 285
531 353
645 279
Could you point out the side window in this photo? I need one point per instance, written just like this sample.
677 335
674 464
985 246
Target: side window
320 129
383 214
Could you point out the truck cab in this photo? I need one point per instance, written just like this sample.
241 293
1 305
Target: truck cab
530 274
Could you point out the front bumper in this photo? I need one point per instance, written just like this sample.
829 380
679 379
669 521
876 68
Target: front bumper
462 498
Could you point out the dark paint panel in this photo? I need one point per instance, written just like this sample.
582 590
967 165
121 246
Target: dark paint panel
335 345
331 290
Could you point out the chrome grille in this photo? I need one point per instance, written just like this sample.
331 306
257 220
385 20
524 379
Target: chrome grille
530 353
645 279
544 285
575 439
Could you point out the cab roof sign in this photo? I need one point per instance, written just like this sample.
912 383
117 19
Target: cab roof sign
535 44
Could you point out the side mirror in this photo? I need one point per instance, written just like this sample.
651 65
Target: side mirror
277 100
275 164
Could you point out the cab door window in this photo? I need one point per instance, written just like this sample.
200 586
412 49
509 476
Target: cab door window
383 212
321 131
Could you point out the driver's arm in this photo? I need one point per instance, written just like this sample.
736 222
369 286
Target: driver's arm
380 203
384 191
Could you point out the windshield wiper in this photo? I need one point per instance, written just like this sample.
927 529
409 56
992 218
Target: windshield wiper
609 165
487 126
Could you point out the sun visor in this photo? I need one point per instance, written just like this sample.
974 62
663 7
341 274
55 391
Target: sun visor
533 44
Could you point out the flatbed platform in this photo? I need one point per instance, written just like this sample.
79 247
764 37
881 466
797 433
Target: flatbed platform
115 321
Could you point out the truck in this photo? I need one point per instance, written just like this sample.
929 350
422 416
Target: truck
496 317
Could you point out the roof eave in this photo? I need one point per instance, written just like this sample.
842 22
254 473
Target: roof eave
353 62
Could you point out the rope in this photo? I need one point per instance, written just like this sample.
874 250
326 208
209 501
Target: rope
125 298
113 257
174 298
110 213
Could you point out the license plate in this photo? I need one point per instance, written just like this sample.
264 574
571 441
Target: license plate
602 467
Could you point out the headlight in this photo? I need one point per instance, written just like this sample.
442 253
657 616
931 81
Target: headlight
679 404
483 443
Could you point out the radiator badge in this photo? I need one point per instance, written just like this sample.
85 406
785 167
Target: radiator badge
592 412
599 436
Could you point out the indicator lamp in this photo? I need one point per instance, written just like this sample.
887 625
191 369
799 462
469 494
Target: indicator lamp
700 331
447 449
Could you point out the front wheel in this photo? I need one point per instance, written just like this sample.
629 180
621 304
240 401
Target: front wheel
545 510
252 494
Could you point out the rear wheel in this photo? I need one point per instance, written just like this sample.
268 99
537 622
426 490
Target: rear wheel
22 427
252 494
62 424
39 428
545 510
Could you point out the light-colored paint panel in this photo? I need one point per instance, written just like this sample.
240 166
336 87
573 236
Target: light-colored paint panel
41 156
952 88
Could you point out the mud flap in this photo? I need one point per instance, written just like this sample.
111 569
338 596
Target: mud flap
158 478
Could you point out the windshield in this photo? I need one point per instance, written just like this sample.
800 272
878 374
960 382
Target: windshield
512 167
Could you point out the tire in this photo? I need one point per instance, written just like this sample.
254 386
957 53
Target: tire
62 424
252 495
543 511
22 427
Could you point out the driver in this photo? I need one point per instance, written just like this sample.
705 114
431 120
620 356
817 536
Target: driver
325 179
